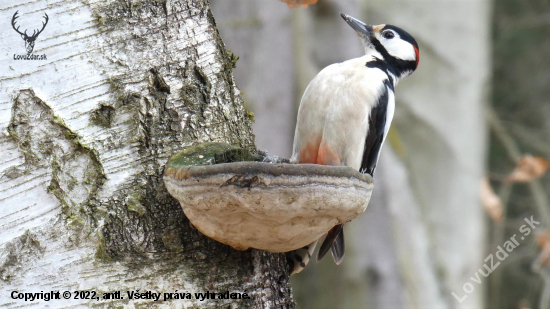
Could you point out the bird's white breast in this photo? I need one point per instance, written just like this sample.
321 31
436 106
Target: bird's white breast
335 109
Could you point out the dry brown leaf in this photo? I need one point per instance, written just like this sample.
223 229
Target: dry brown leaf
543 240
298 3
529 168
490 201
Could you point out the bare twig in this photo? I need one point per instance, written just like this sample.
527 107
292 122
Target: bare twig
512 150
504 194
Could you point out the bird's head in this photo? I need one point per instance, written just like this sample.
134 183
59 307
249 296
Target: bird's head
391 44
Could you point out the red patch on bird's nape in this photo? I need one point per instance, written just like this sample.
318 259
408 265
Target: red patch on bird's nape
417 55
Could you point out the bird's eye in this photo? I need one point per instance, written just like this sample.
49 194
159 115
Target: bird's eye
389 35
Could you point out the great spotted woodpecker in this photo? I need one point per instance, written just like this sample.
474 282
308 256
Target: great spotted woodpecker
346 112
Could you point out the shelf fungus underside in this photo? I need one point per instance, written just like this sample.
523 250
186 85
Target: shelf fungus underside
273 207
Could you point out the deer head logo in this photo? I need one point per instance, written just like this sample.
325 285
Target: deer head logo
29 40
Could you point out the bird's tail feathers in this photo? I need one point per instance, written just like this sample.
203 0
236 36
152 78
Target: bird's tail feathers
338 248
335 242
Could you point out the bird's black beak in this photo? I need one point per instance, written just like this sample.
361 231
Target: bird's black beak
359 26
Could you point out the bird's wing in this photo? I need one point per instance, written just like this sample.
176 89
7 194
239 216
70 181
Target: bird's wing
379 124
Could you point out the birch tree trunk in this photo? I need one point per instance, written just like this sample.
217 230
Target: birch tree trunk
86 133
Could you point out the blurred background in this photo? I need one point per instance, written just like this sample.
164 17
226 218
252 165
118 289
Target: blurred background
465 161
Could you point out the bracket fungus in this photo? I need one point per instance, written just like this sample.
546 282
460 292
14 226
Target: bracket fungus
267 206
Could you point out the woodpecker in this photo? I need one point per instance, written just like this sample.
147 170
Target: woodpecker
346 112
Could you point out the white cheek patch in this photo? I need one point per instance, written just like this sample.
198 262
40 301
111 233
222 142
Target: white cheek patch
398 48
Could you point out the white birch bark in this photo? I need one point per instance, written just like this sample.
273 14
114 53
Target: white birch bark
85 135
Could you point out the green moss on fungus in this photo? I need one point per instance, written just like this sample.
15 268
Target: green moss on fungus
211 153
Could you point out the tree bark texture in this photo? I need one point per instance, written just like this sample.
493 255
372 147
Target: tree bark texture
86 134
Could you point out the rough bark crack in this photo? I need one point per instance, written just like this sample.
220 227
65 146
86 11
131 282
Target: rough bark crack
47 143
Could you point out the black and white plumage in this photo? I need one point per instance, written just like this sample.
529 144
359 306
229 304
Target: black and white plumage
346 112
